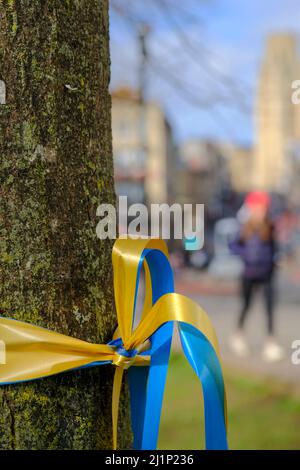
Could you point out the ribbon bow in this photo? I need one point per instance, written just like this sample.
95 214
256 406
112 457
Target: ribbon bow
32 352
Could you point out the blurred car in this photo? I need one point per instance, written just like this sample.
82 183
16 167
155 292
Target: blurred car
224 264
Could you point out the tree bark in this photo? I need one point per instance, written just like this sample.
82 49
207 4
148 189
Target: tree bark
56 167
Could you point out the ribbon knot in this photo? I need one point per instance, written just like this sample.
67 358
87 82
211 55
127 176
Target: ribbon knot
123 358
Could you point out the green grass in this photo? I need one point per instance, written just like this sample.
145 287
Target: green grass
262 414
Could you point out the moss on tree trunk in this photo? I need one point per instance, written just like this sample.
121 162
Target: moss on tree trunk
56 167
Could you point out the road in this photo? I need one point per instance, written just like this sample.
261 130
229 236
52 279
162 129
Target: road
221 301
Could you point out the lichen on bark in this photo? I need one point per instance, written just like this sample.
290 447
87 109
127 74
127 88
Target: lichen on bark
56 167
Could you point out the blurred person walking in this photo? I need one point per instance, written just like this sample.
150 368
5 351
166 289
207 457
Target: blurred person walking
256 245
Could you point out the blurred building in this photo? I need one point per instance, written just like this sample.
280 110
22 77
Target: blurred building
142 148
294 155
241 167
277 130
202 175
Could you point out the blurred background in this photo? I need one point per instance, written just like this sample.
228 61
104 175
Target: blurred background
202 113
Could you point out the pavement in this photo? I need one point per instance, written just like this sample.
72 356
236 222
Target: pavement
221 301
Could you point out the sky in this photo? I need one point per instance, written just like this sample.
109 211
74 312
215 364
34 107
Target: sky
205 59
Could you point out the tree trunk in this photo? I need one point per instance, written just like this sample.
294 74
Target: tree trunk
56 167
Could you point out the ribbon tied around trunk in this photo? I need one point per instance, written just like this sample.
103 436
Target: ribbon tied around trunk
141 345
